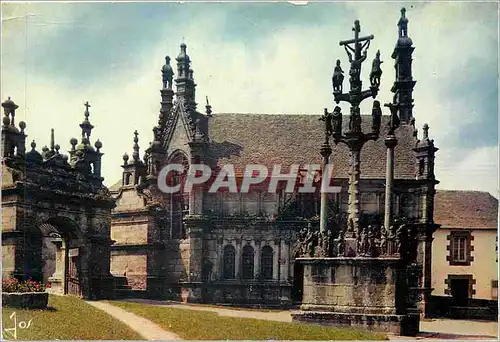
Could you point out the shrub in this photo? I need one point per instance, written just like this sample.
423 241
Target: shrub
10 285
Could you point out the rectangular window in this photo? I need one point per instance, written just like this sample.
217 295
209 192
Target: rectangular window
458 247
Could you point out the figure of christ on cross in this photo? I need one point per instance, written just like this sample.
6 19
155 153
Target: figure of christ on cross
360 52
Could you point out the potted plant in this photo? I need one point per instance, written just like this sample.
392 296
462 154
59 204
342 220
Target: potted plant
27 294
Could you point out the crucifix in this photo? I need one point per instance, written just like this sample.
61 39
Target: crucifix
357 41
87 106
359 46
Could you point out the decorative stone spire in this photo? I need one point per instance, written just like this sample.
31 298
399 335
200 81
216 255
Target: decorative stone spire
208 108
13 139
135 170
185 82
135 155
404 83
425 156
86 126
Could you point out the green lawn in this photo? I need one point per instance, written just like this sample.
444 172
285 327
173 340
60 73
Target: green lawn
207 325
67 318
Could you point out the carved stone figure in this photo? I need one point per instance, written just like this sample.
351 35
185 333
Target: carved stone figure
355 70
309 243
383 240
370 237
337 78
376 70
167 73
403 24
327 118
363 243
394 120
341 242
337 121
376 117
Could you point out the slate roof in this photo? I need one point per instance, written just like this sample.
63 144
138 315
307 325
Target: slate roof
465 209
286 139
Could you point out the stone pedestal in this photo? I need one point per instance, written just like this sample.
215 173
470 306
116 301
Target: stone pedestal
367 293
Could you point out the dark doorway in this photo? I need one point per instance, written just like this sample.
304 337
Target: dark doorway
298 282
460 291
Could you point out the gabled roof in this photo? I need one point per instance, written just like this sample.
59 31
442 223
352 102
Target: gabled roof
465 209
286 139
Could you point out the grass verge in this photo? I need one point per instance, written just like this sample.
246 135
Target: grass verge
67 318
207 325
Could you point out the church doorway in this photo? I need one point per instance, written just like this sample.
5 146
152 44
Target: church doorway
298 282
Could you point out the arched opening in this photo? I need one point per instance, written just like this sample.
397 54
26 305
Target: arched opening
228 263
179 201
266 263
59 255
247 265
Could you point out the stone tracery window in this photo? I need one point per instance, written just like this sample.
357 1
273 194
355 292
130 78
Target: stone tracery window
266 263
228 262
247 265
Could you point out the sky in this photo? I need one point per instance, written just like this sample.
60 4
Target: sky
250 58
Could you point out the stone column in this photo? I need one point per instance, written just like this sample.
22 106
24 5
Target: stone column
390 143
325 151
256 259
237 258
354 193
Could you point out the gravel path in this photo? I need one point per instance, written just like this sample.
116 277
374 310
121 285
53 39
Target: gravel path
144 327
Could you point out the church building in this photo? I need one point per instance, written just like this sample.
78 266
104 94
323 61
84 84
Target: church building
240 248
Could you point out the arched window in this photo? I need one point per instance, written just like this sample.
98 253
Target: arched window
266 263
229 262
127 178
247 262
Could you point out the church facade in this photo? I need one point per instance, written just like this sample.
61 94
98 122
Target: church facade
240 247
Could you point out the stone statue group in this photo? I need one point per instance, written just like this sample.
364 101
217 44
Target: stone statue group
333 121
371 241
338 73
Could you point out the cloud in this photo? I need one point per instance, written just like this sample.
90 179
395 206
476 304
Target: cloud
250 58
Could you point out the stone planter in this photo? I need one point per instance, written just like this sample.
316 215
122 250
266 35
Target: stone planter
26 300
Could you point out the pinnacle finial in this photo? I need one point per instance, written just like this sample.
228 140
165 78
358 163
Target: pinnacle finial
87 106
52 139
208 108
86 126
135 155
426 131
